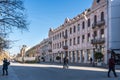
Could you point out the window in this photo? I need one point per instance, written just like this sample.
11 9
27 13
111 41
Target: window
63 34
70 30
78 27
95 19
83 25
95 34
57 36
66 32
60 44
102 33
88 37
74 30
60 35
83 37
53 37
65 42
102 16
98 1
78 40
74 41
57 45
88 22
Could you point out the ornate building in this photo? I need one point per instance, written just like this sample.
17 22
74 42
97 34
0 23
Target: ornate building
94 30
79 38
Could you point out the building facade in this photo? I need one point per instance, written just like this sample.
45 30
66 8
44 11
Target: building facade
79 38
94 30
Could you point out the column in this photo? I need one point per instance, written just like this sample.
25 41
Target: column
106 56
85 56
70 56
80 56
75 56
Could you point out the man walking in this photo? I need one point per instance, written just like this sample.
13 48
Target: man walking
65 62
111 64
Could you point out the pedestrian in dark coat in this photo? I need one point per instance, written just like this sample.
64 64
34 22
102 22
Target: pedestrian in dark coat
111 65
5 66
91 60
65 62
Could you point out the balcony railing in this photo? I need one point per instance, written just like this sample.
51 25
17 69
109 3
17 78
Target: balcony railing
49 50
50 41
98 24
94 25
65 47
65 36
98 41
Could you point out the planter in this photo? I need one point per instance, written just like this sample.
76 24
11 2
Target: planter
99 64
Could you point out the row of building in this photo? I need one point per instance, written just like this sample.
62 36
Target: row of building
80 37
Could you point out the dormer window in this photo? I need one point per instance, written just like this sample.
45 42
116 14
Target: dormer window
98 1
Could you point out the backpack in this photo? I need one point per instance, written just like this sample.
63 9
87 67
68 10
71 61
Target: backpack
8 63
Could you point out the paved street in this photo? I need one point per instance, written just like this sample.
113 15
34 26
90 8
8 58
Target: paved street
19 71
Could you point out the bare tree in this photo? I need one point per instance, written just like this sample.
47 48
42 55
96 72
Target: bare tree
12 15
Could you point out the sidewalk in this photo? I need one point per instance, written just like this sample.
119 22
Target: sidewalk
11 74
79 64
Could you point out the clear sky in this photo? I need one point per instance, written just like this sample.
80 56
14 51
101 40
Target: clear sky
43 14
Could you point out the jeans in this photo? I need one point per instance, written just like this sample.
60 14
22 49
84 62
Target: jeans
112 69
5 70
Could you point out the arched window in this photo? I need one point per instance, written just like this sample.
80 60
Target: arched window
95 19
74 39
70 30
66 32
60 34
98 1
78 28
102 16
83 38
83 25
78 40
88 22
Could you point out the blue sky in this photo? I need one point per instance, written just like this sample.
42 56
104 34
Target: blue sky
43 14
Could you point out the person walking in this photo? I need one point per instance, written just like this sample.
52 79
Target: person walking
91 60
111 65
65 62
5 66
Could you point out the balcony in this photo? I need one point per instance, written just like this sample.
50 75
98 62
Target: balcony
65 47
50 41
65 36
98 24
49 50
94 25
98 41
